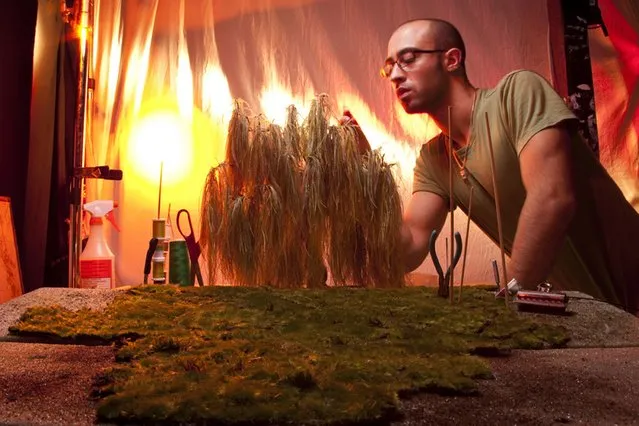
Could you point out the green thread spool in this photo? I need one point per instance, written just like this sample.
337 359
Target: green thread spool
179 270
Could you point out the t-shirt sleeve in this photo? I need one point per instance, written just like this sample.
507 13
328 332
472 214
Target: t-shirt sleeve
423 175
531 105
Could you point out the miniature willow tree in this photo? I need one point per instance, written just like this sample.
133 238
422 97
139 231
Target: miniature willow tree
291 203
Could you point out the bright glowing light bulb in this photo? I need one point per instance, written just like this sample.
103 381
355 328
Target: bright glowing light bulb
161 137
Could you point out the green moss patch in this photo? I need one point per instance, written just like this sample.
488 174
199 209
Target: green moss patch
255 355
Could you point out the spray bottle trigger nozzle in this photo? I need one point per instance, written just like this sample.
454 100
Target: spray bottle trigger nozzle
109 216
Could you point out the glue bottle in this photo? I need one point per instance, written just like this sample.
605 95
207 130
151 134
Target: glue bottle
97 261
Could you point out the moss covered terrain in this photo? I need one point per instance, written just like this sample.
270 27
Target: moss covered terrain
229 355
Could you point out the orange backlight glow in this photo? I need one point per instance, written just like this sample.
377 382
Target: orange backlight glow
161 137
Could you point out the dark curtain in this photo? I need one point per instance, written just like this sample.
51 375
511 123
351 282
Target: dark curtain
36 138
17 36
57 248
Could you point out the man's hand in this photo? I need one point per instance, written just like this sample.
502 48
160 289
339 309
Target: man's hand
347 119
426 211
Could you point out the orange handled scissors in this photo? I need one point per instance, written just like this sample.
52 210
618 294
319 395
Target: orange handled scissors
193 247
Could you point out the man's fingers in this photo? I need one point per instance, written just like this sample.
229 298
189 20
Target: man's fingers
348 119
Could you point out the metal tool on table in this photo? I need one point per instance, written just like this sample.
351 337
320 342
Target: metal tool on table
496 275
193 246
444 278
543 300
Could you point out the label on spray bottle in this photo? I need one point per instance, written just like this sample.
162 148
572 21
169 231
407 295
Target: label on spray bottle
96 273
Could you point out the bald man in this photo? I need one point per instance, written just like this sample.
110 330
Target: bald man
564 219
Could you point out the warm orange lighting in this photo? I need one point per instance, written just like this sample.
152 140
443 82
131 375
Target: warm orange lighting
83 33
419 127
184 84
395 151
188 147
217 101
276 99
161 136
276 96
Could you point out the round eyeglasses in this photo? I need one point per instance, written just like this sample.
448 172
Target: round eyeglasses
405 60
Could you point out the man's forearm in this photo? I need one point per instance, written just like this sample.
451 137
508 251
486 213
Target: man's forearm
541 231
413 257
426 211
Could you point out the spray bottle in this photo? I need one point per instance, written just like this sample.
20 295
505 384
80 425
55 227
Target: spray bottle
97 261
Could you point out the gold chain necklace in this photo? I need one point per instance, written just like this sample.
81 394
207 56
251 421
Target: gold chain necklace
463 172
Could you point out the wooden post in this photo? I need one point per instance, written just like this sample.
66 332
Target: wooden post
10 276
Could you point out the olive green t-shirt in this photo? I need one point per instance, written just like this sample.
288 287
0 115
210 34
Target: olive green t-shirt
600 256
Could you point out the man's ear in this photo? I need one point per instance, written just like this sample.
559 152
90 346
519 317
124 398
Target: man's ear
453 59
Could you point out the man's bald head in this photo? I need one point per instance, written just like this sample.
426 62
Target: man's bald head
425 64
443 33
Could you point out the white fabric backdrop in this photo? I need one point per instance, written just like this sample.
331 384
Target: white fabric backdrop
271 53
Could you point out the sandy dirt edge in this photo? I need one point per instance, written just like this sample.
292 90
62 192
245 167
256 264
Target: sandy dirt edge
550 387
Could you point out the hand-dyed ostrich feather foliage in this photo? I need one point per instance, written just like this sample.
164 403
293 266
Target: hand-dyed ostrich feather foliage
293 203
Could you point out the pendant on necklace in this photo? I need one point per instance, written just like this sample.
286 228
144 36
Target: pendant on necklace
464 174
